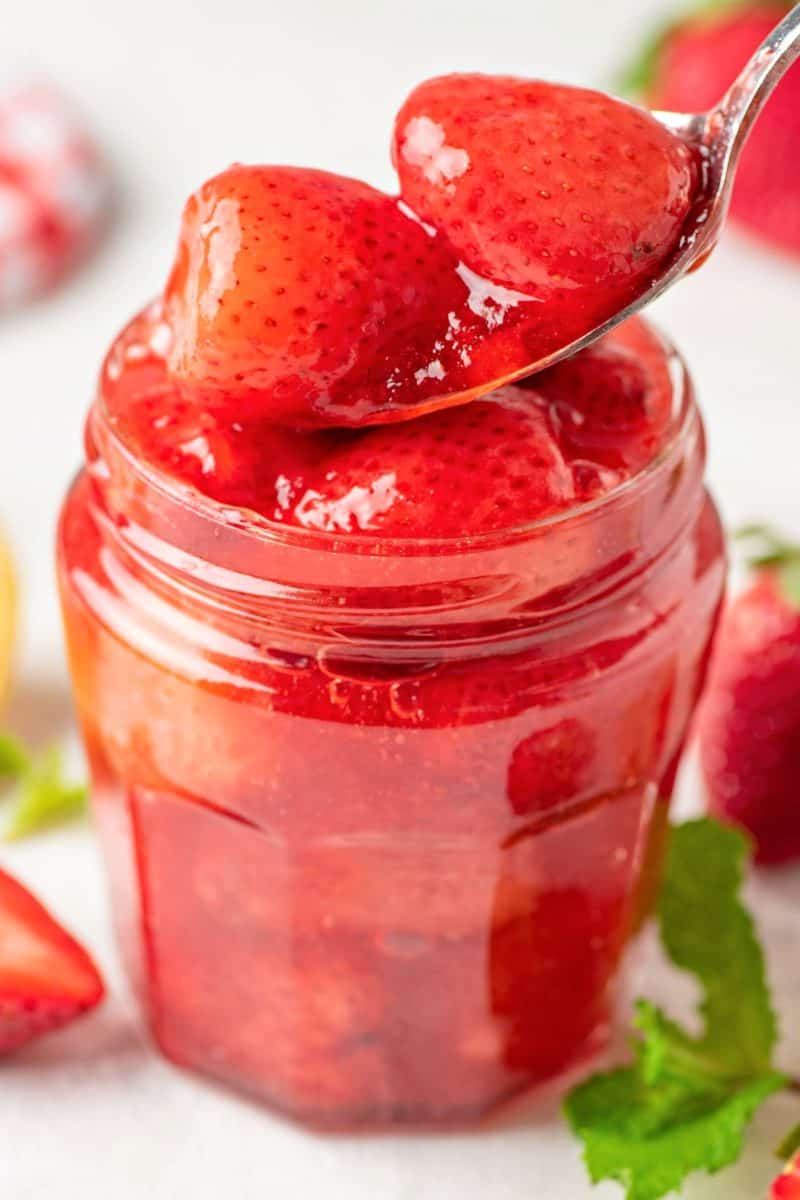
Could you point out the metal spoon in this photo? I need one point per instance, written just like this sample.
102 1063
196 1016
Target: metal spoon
720 136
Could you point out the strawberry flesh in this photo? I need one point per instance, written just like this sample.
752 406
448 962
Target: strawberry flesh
612 403
549 767
529 214
46 978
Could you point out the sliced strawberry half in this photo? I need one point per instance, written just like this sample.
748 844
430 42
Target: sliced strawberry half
46 978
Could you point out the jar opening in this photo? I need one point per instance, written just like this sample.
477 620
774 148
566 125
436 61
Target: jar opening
250 524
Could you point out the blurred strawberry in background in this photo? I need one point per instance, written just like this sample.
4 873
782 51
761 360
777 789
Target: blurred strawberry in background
689 66
787 1185
750 718
53 190
7 616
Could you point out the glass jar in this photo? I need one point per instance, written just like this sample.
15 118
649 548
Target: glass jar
383 816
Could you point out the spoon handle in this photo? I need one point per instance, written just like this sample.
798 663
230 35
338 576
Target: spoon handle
732 120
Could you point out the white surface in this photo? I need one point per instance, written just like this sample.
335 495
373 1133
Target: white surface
178 89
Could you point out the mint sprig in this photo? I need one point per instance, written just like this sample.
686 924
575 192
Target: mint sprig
790 1144
686 1101
40 797
13 757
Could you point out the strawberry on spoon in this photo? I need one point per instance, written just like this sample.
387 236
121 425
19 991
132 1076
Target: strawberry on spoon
533 219
46 978
310 299
316 300
564 194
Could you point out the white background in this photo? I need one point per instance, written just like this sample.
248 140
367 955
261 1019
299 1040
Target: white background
176 89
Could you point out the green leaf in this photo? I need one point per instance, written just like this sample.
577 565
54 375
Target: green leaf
789 576
790 1145
637 77
685 1103
770 550
707 931
649 1140
44 799
14 758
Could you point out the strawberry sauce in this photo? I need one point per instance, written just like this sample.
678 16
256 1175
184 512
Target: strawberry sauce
382 812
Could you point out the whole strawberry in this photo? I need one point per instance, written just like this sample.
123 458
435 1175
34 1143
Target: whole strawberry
690 67
787 1185
750 720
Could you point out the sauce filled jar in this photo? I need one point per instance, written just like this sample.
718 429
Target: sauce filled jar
382 812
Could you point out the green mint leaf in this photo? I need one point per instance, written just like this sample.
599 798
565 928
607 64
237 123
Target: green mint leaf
44 799
637 77
685 1103
707 931
790 1145
789 576
650 1139
769 550
14 758
709 8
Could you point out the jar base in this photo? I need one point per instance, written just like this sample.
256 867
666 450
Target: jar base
518 1098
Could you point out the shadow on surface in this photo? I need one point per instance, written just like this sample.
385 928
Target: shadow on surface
111 1035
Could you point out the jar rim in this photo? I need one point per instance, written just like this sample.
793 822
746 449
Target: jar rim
248 523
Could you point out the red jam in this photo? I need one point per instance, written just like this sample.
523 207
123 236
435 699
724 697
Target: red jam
519 454
382 723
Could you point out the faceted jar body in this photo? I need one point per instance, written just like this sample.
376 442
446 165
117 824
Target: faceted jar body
382 817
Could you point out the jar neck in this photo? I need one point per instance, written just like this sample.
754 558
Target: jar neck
237 562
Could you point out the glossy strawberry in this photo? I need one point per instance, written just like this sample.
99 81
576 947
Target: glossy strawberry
46 978
750 722
314 300
308 298
693 65
491 466
564 194
612 404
